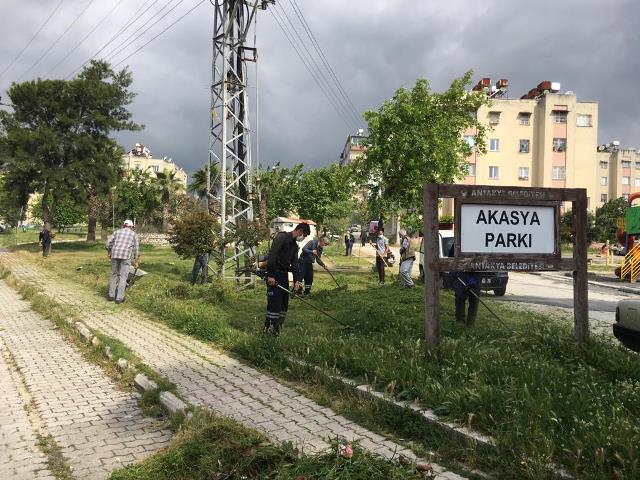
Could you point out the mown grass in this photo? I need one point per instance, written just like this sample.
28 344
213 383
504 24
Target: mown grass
543 398
11 238
210 447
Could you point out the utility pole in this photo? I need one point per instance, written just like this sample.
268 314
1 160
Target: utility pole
229 139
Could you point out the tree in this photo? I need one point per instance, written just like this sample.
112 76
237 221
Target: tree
324 194
280 186
198 183
167 185
607 218
567 231
57 137
136 198
416 138
195 233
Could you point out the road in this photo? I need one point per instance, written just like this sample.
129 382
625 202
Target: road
555 292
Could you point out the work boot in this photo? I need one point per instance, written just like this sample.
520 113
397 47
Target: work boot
267 325
276 327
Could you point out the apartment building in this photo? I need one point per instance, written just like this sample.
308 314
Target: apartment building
543 139
140 158
618 171
353 148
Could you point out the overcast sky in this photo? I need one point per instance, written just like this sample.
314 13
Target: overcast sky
374 47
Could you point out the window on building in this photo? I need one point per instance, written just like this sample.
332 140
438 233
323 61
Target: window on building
559 144
626 180
471 169
559 173
604 165
603 197
637 165
471 141
155 168
625 163
524 118
494 144
637 182
524 146
583 120
603 181
494 118
523 173
559 116
493 172
625 196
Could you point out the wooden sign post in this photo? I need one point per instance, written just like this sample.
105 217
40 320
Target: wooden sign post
505 229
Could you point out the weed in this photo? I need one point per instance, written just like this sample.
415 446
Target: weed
543 398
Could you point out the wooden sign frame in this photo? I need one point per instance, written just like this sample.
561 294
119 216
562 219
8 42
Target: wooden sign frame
500 196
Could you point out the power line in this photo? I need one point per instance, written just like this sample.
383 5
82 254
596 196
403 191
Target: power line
117 51
85 37
323 57
57 39
161 32
15 59
135 17
311 71
321 74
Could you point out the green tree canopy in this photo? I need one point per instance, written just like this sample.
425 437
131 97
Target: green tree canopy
58 136
416 137
167 184
280 186
136 197
323 194
607 218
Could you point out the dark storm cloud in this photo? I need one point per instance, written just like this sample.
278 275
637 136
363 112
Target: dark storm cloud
374 47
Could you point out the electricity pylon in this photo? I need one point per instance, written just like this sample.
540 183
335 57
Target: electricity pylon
229 139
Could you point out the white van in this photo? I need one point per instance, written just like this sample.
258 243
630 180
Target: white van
496 281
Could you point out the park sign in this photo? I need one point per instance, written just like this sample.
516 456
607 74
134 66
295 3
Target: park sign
498 229
504 229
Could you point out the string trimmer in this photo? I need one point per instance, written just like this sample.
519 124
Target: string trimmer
262 274
340 287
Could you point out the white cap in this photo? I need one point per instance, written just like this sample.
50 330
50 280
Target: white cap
128 223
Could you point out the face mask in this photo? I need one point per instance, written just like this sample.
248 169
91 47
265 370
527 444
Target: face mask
300 238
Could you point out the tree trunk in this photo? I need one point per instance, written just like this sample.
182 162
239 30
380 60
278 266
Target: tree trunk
46 208
263 210
104 219
165 212
93 216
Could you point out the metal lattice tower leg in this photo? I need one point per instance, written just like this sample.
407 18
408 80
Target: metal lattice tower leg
229 141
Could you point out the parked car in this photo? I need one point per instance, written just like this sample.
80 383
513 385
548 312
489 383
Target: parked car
495 281
627 326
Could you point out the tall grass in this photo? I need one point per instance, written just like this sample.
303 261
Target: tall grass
543 398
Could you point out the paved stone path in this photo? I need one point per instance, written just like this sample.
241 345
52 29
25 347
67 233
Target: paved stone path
207 377
98 426
19 456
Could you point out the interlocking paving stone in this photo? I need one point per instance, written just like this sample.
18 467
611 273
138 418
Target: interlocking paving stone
91 419
205 376
19 456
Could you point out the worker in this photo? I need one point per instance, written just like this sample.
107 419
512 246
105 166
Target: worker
467 287
283 258
311 253
382 250
407 257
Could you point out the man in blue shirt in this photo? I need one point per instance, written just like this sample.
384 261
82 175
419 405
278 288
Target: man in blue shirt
311 253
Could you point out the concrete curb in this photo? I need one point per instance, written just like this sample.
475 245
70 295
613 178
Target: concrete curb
167 399
471 438
468 436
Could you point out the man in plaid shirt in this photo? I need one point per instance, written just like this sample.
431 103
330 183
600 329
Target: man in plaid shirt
123 246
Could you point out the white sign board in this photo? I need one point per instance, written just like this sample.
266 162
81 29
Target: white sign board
501 229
